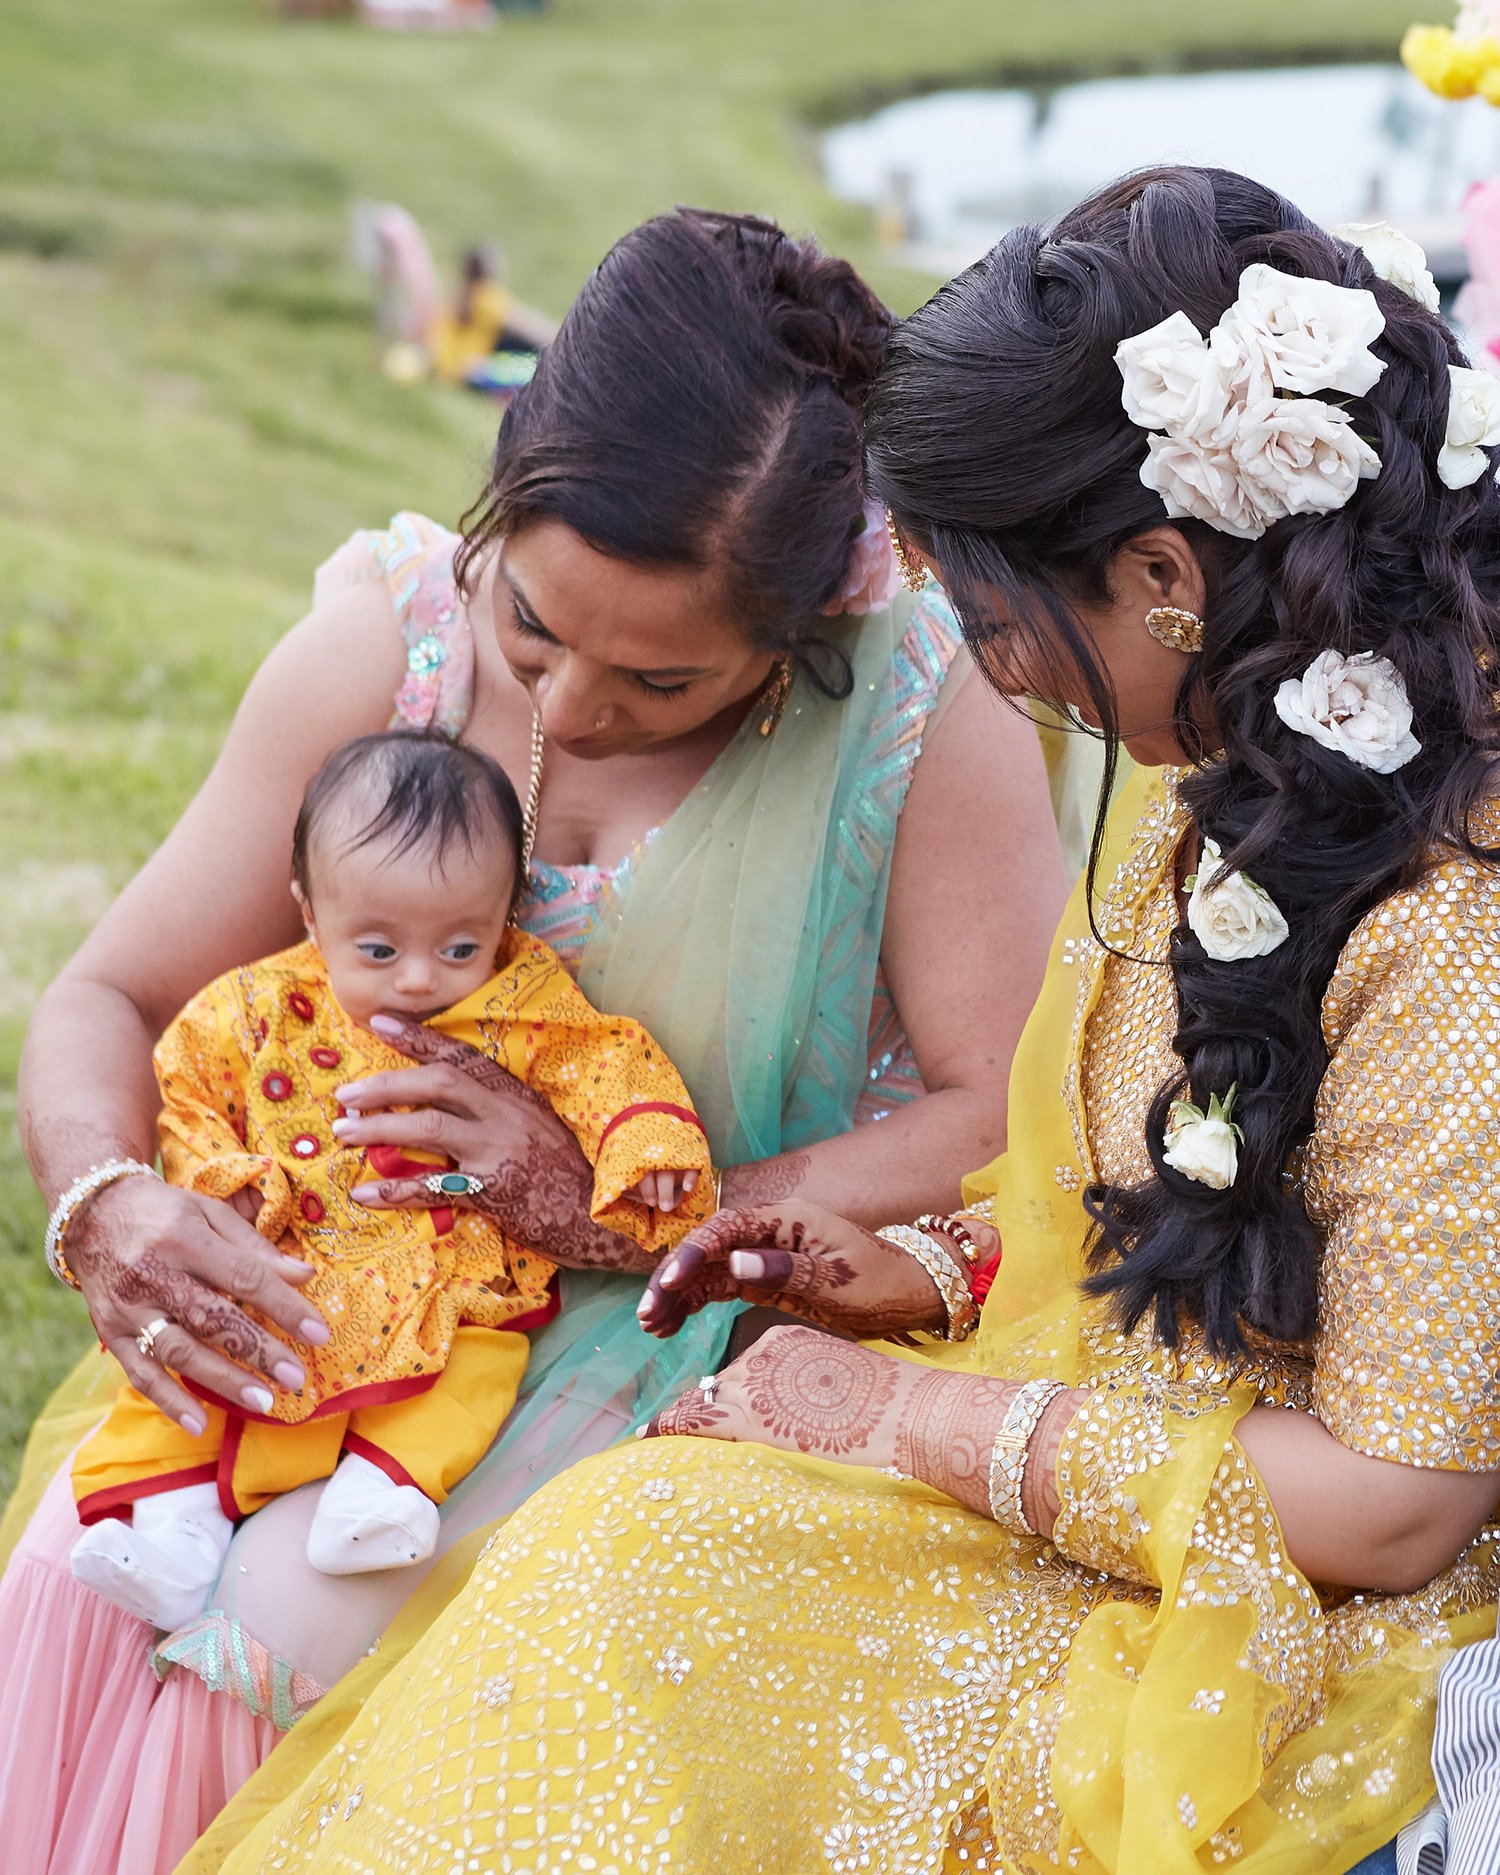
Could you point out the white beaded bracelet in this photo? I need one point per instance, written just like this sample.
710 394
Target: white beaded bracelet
82 1189
1012 1443
946 1272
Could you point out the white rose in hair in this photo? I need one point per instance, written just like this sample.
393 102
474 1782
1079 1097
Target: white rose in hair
1302 455
1171 382
1236 918
1311 334
1202 484
1394 256
1357 706
1473 426
1204 1146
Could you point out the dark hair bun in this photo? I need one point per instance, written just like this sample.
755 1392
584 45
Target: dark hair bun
817 307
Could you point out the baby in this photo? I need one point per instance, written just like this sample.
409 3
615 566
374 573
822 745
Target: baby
406 864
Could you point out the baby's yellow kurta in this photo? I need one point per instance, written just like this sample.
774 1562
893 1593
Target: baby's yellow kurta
248 1074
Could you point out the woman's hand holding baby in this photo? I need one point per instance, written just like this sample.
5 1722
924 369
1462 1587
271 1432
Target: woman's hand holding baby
537 1185
143 1251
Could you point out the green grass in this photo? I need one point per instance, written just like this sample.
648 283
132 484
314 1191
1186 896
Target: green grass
189 418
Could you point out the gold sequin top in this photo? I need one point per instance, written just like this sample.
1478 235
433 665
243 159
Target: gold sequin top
1401 1167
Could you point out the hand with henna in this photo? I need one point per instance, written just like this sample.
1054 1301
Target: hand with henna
143 1251
804 1260
537 1185
801 1391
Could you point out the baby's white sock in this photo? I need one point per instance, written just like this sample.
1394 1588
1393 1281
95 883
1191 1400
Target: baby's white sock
365 1520
161 1566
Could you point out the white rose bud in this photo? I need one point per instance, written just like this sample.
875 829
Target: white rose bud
1394 256
1312 335
1357 706
1204 1146
1473 426
1235 919
1301 456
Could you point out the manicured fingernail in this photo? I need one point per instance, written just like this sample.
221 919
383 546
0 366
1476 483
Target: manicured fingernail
747 1265
386 1025
348 1094
640 1432
340 1128
193 1425
296 1263
365 1194
314 1329
289 1375
670 1271
258 1399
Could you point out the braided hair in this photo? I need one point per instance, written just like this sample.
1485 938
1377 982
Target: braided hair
998 437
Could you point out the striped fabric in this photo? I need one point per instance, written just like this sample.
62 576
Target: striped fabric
1460 1834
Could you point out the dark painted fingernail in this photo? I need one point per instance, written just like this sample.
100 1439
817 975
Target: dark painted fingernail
315 1330
193 1424
289 1375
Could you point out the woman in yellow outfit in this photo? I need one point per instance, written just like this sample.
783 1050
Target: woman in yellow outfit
1154 1574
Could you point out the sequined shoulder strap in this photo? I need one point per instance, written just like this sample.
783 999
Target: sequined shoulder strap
910 691
414 556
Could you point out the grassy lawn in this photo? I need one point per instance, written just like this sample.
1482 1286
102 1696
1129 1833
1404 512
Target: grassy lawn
189 416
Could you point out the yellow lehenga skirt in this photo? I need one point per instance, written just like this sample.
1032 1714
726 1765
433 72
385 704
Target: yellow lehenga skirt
689 1657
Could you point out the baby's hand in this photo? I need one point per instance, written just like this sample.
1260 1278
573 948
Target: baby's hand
247 1201
664 1191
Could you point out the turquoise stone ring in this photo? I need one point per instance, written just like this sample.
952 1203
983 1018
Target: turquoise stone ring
454 1185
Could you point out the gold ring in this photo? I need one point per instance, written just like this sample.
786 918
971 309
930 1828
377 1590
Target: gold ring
146 1339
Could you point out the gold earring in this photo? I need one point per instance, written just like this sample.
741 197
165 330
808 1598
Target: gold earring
1169 625
913 572
776 694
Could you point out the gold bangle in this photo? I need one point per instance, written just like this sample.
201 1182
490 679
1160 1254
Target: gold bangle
947 1273
1012 1443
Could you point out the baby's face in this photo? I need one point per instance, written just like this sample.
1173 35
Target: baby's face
403 935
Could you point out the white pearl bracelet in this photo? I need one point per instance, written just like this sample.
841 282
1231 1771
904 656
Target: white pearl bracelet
82 1189
946 1272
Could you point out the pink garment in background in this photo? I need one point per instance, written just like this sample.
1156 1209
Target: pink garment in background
107 1771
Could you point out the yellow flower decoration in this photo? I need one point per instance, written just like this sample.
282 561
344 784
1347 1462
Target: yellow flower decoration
1453 66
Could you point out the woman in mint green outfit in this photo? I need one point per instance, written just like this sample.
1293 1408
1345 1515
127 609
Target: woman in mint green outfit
776 820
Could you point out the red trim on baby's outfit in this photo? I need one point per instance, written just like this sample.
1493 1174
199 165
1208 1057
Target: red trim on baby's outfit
117 1499
539 1318
377 1393
392 1162
392 1467
651 1106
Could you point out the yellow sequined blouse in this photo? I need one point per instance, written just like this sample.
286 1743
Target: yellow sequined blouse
248 1074
1400 1170
687 1655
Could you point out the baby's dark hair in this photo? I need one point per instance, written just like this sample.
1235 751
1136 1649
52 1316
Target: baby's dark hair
430 792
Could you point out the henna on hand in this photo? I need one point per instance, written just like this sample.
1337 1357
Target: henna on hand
764 1181
822 1394
947 1432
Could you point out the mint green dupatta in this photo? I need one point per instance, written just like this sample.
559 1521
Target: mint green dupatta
747 935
